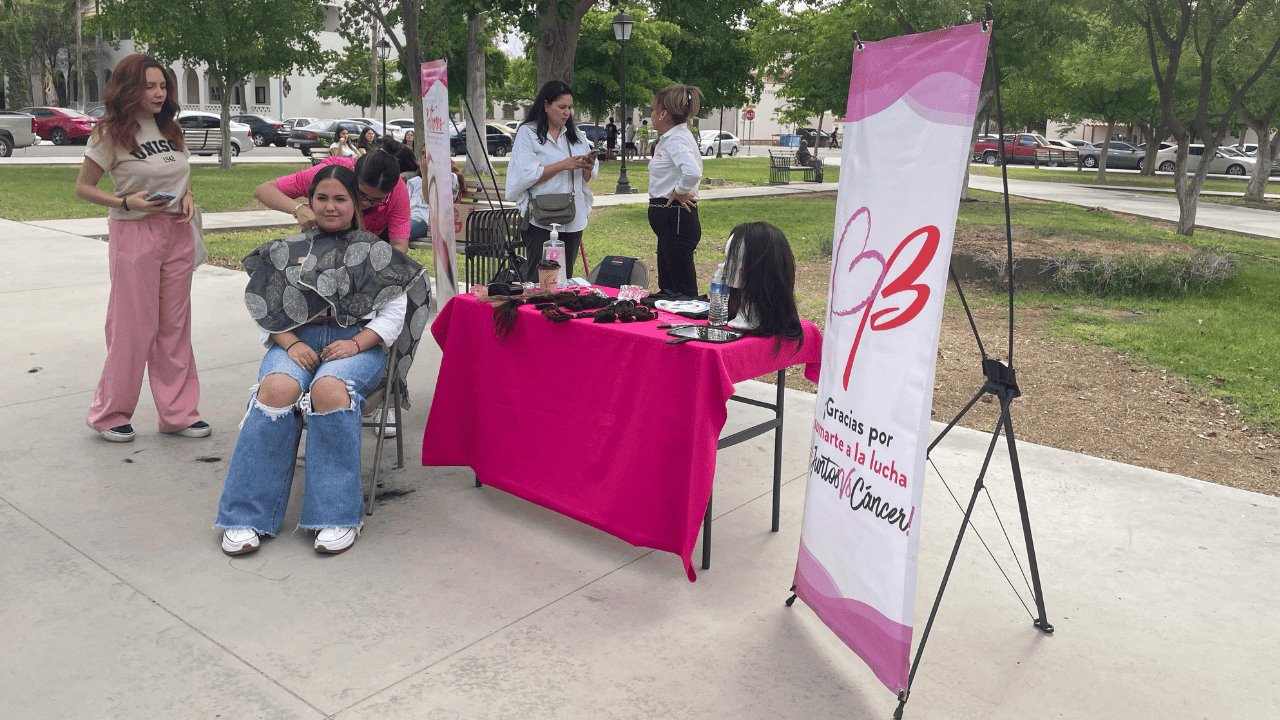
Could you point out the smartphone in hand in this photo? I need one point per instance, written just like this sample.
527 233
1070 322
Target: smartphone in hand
160 195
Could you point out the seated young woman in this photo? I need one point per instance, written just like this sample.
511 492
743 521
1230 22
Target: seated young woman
761 273
383 198
328 304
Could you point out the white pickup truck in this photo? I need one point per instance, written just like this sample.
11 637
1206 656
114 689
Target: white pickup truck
17 130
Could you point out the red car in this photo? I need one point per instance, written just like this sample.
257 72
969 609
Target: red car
62 125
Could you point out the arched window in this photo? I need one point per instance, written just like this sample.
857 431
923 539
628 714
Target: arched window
191 86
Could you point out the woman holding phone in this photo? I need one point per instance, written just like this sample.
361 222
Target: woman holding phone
151 248
549 158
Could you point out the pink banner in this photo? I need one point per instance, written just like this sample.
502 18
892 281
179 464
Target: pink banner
437 185
912 102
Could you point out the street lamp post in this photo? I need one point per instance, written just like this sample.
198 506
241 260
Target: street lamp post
622 33
720 136
384 52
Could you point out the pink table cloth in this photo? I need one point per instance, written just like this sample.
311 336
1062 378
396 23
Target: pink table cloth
604 423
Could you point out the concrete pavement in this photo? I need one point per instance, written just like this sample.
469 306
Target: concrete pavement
460 602
1264 223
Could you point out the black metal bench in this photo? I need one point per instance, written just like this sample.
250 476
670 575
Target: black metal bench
783 164
492 244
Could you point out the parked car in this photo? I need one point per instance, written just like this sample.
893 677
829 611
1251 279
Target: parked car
512 125
713 140
17 130
1081 144
265 131
241 136
499 142
823 138
1023 148
1163 146
1250 149
62 126
399 127
295 122
96 111
1119 155
1225 160
377 126
594 133
1062 144
320 134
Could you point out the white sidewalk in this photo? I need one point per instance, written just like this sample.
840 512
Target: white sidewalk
460 602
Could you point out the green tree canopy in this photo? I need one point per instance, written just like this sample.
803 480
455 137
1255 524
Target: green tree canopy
233 38
596 72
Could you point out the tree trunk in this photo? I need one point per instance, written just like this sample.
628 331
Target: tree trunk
983 119
558 41
477 131
224 157
1261 173
1157 131
1188 187
1106 148
373 67
413 68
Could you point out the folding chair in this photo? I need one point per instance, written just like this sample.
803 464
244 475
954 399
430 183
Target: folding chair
391 387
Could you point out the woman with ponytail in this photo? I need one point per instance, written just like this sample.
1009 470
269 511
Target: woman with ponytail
383 200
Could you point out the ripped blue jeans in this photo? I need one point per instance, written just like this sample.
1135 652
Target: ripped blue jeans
256 492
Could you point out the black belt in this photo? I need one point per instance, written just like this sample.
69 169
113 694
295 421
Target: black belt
662 202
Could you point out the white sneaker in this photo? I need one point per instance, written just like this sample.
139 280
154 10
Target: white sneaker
391 418
239 541
335 540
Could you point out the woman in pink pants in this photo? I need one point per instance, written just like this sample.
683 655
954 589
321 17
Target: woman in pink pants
151 251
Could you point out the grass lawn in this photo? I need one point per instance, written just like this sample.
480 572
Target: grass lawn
1221 341
1090 177
47 192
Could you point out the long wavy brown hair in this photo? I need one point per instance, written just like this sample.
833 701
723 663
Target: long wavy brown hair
123 97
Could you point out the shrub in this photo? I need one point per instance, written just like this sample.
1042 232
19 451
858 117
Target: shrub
1139 274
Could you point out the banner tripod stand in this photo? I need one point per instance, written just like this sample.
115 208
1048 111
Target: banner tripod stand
1000 381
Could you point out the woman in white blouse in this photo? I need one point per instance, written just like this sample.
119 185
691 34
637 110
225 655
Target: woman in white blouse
342 146
550 156
674 174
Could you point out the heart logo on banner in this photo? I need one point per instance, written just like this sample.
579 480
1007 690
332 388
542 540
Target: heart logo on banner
858 282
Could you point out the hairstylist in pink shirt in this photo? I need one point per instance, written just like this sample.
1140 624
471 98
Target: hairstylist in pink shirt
384 199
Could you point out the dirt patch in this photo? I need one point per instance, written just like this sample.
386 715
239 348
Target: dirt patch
990 241
1098 402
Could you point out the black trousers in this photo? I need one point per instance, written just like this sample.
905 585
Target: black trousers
534 237
679 232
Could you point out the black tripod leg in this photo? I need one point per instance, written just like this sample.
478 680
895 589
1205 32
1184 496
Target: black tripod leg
1042 620
946 575
706 536
972 401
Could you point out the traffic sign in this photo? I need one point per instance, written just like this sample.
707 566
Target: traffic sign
751 114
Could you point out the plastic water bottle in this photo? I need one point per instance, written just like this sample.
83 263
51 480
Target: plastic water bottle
719 312
553 249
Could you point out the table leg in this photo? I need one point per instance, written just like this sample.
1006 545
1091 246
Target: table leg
706 537
777 448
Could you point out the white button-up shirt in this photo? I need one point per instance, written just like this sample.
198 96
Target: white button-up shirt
676 164
528 160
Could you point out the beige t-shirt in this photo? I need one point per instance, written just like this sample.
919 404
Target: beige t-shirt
155 166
